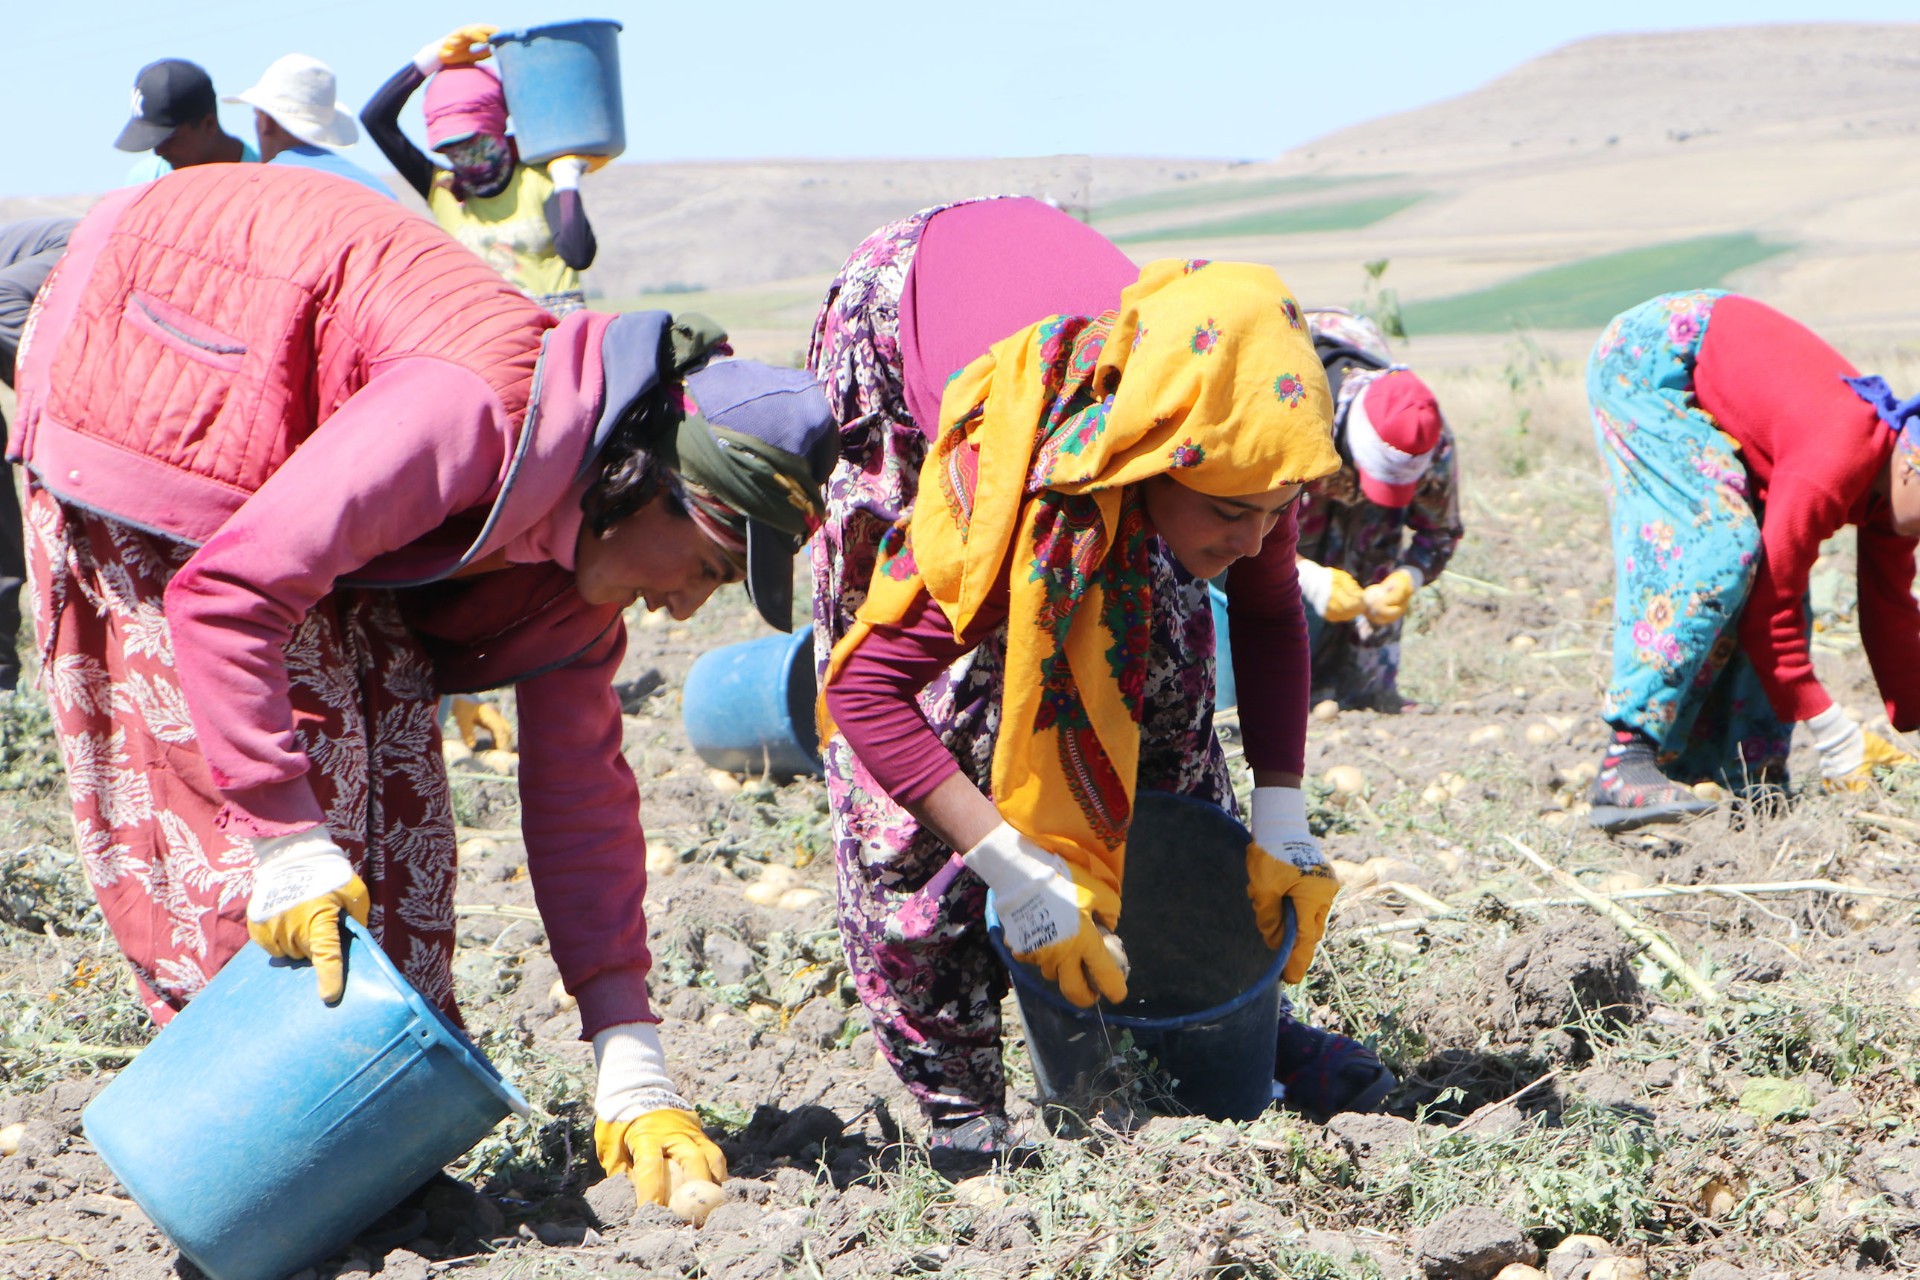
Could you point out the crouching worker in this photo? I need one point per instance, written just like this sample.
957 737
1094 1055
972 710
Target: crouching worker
1020 626
1736 442
296 464
1382 526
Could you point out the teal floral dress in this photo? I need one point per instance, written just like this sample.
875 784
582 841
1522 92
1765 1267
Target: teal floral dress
1686 542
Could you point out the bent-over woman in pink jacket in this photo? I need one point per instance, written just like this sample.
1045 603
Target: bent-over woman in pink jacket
297 464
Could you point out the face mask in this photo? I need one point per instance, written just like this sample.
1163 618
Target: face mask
481 164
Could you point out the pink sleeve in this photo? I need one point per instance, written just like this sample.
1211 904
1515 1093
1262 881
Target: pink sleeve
416 444
580 812
873 700
1272 664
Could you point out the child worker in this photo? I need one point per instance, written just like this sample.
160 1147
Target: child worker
1736 442
1034 594
1382 526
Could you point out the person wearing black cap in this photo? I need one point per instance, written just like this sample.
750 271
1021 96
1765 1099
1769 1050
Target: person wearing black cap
176 116
364 471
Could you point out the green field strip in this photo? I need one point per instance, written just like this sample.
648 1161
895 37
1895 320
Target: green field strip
1223 192
1588 293
1339 215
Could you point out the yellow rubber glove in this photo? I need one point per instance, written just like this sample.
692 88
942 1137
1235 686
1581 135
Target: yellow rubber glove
1387 600
1877 755
464 46
300 886
1082 964
1050 915
1312 889
1345 600
647 1146
470 715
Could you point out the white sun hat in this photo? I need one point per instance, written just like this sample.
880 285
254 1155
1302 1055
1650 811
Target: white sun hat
298 91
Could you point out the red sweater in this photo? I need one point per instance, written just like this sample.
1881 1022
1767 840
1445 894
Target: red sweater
1813 450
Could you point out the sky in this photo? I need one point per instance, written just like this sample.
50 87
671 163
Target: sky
1233 79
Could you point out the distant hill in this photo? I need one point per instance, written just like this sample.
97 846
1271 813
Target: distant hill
1780 159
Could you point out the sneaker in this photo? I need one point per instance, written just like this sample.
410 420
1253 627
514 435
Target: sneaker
1321 1074
1632 792
963 1146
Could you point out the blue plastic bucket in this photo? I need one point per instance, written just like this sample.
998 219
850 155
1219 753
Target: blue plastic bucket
748 708
263 1130
1225 694
562 82
1203 999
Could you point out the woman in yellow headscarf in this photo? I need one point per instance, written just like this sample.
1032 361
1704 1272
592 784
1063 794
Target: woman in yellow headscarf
1089 474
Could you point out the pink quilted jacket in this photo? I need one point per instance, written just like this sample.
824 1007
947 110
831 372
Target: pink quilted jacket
316 387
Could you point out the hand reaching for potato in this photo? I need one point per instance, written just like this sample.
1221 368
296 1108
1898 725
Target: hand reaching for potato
1386 601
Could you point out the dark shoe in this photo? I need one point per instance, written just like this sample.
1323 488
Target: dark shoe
960 1148
1321 1074
1632 792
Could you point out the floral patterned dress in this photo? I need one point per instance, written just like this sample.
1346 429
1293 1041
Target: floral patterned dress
173 885
911 918
1686 541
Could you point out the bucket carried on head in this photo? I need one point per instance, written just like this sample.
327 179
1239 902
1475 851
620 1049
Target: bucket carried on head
1203 998
262 1130
748 707
562 83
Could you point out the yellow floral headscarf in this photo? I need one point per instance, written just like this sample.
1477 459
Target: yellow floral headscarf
1207 372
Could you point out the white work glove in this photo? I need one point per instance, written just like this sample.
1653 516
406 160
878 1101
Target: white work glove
301 884
631 1073
1842 743
566 172
1280 827
1051 915
1284 861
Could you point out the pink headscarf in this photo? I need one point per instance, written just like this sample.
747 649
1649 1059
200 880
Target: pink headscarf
464 101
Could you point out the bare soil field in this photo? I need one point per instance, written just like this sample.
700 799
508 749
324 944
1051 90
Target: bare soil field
1716 1075
1725 1084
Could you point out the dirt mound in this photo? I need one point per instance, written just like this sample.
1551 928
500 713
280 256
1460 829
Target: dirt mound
1553 978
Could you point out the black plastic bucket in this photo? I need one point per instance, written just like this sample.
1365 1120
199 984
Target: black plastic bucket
1203 998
